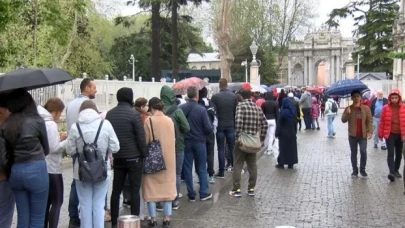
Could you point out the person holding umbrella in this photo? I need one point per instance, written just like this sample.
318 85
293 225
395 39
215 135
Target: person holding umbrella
360 122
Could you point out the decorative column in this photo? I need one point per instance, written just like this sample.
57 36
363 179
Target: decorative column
305 70
338 67
350 69
289 71
311 74
254 71
332 70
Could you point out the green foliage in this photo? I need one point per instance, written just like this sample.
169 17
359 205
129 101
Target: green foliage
374 31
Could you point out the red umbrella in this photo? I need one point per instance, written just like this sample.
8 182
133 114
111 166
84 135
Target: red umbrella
181 86
314 90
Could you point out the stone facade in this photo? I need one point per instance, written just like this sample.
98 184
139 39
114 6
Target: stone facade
399 42
324 45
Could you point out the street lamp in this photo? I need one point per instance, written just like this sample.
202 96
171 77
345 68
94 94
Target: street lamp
132 61
253 49
84 75
245 64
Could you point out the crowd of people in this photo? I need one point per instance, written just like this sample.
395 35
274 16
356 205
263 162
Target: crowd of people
152 145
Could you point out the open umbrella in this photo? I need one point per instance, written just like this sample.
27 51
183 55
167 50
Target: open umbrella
256 88
314 90
265 87
181 86
344 88
30 78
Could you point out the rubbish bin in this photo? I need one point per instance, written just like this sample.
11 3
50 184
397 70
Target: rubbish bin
128 221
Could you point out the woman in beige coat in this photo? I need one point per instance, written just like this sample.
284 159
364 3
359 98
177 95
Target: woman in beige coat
160 186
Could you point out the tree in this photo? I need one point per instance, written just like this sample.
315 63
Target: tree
373 27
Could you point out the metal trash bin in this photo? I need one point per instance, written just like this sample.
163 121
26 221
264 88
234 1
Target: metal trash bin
128 221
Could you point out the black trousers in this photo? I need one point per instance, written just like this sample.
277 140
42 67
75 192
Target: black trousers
122 167
210 154
394 156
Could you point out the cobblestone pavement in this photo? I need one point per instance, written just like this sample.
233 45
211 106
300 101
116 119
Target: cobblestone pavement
318 192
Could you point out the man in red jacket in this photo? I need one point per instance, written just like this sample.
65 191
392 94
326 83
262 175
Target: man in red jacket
392 129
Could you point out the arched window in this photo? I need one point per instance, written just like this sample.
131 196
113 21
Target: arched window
203 68
194 68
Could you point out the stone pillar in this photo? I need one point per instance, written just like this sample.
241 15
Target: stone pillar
311 74
338 68
289 72
254 71
332 70
305 70
350 70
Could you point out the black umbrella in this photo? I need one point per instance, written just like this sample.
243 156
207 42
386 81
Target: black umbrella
33 78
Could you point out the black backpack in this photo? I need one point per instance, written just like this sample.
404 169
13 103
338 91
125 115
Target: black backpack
169 113
92 164
334 108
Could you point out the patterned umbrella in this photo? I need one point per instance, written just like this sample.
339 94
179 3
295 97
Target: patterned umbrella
344 88
181 86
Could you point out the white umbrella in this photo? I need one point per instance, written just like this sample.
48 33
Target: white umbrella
256 88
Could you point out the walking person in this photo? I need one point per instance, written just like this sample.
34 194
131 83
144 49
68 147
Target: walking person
250 120
127 124
212 114
315 114
392 129
91 128
181 127
24 133
195 142
88 91
377 105
7 201
226 103
360 124
51 112
160 186
330 113
270 111
305 104
286 132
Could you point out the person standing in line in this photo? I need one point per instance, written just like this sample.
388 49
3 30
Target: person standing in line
195 142
127 124
270 111
315 114
358 117
51 112
392 129
330 113
226 103
305 104
377 105
24 134
88 91
249 120
6 197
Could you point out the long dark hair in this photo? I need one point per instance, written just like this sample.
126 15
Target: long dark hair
20 104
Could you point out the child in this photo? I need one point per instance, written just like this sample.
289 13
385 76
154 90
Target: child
315 113
323 102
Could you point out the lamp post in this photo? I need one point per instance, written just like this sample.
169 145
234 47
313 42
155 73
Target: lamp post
132 61
245 64
254 66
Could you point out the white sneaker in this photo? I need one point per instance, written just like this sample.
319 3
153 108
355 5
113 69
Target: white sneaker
180 195
243 171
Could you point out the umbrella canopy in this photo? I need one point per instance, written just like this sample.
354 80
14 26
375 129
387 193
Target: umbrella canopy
344 88
259 89
33 78
235 86
265 87
315 90
181 86
276 86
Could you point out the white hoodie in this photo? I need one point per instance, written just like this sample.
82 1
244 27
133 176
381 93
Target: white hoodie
89 121
56 147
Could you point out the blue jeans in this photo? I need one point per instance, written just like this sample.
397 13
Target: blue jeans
307 117
227 133
6 204
376 122
179 169
92 200
30 184
167 208
196 151
331 129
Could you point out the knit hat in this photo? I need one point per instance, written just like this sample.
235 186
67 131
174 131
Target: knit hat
125 94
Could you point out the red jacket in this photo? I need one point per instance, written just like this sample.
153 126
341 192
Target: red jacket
384 129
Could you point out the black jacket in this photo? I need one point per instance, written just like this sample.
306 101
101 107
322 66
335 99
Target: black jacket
32 144
372 107
270 107
226 103
127 124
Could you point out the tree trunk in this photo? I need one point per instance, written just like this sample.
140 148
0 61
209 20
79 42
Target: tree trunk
35 35
175 32
155 70
223 39
71 40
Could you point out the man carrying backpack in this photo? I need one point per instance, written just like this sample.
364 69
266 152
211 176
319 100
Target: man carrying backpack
331 110
181 127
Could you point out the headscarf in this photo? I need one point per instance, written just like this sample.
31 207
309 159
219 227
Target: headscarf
287 111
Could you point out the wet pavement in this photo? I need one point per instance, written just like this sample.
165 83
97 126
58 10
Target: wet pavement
318 192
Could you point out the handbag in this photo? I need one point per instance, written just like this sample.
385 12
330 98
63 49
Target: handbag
154 162
250 143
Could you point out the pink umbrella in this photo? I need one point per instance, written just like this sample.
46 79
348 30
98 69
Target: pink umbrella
181 86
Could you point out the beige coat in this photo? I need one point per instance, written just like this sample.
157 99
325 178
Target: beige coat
161 186
351 119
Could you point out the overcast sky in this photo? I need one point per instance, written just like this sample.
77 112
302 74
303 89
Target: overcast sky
324 8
